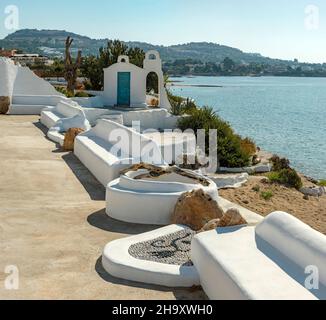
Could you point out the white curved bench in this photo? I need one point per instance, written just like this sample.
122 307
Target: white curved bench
64 109
79 121
107 149
149 202
117 261
263 263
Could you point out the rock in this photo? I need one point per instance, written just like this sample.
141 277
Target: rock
256 160
211 225
313 191
306 197
71 134
4 104
195 209
312 180
230 219
245 201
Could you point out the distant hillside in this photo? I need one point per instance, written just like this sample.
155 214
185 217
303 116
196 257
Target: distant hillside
51 43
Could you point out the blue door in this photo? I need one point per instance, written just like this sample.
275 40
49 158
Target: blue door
124 88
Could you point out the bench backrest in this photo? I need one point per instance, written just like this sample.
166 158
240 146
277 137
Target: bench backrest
297 241
131 143
67 108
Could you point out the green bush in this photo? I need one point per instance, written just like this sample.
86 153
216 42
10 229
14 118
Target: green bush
81 94
288 177
256 188
248 146
180 106
267 195
322 183
280 163
229 151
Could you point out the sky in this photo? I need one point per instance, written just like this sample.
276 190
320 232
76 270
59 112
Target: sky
285 29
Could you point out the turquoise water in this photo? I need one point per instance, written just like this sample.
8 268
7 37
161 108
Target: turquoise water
283 115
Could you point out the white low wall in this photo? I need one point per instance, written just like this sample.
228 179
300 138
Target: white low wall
110 147
149 202
151 119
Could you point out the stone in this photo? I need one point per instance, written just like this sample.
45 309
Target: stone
231 218
4 104
314 191
195 209
211 225
69 141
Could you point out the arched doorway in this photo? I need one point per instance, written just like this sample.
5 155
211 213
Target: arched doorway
152 90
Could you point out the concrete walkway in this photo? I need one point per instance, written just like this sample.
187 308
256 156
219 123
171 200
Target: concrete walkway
53 226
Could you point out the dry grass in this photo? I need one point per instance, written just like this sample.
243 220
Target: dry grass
312 211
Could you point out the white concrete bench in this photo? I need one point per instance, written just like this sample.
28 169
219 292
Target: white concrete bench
267 262
57 133
33 104
110 147
64 109
142 201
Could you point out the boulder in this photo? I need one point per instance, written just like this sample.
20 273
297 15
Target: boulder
195 209
313 191
4 104
69 140
230 219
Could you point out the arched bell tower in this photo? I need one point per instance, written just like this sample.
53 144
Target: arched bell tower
153 63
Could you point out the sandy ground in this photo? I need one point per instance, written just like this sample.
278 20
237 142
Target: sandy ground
312 211
53 225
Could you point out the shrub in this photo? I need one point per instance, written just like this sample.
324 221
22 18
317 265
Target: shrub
280 163
64 91
322 183
248 146
256 188
181 105
229 151
267 195
288 177
82 94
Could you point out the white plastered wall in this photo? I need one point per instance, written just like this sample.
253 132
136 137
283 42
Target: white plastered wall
137 84
152 63
17 80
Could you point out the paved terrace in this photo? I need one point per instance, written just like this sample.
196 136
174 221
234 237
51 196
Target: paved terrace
53 225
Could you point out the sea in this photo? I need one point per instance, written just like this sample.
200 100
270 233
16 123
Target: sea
283 115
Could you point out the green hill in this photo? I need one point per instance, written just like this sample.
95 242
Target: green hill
51 43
